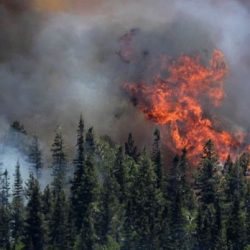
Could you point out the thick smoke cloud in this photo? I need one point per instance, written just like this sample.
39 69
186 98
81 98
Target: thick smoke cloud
59 59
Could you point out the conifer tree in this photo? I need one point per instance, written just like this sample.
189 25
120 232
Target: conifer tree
145 203
58 222
34 235
207 178
90 142
4 211
218 234
234 181
235 226
58 162
244 161
184 172
156 157
17 219
46 208
110 219
70 227
247 209
176 194
58 219
35 156
207 183
128 202
130 148
120 173
235 189
77 196
90 189
4 188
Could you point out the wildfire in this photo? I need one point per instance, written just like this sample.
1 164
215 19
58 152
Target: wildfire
178 101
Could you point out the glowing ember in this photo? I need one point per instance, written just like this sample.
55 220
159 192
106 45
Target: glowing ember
178 99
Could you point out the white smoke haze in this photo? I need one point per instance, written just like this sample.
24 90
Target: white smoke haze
9 158
11 155
55 65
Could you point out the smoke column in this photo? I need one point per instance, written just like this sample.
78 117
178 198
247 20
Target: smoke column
60 58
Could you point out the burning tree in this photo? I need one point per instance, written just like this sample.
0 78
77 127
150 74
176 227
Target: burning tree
177 102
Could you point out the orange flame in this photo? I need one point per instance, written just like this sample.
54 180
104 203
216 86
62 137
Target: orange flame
176 101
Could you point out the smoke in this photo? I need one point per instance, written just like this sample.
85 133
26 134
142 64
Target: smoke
13 151
61 58
11 156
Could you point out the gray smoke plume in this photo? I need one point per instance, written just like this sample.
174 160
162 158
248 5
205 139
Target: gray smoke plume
57 61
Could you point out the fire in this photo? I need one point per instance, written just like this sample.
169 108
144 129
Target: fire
51 5
75 6
177 103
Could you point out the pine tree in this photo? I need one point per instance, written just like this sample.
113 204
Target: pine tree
184 174
4 188
130 148
244 161
128 202
77 196
235 189
120 173
234 180
35 157
58 219
145 205
34 235
58 162
89 188
90 142
207 183
207 179
5 215
234 230
218 234
46 208
247 209
17 220
58 223
110 219
176 194
4 228
70 227
156 157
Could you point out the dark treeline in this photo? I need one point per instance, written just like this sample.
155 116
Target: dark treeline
122 198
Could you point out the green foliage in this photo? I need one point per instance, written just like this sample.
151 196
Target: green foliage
130 148
120 199
209 212
110 245
17 208
110 218
77 196
178 196
156 157
33 230
46 211
247 209
58 161
57 223
5 211
90 141
144 205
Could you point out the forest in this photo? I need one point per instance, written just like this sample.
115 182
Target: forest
116 197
